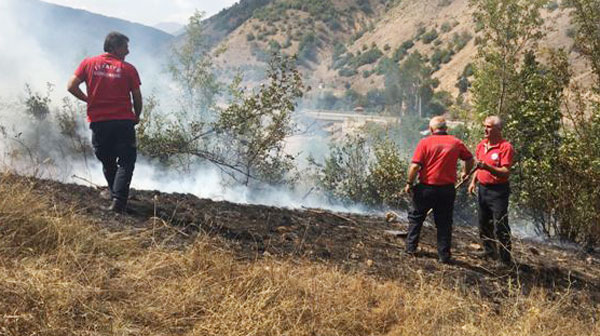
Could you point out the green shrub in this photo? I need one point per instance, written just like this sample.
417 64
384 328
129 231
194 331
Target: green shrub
429 36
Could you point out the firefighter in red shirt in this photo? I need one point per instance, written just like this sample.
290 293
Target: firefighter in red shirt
114 105
494 159
435 160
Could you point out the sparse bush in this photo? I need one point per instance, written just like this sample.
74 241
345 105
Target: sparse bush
36 105
552 5
446 27
429 36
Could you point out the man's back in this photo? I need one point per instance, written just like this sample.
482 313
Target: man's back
109 82
437 155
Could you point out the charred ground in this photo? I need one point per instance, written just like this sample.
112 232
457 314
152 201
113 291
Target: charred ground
354 243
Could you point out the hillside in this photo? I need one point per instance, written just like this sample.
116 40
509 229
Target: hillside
176 264
45 42
341 44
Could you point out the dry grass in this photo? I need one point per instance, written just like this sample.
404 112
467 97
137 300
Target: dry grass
62 275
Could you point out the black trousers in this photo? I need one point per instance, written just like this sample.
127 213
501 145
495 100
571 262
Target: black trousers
493 219
115 146
441 200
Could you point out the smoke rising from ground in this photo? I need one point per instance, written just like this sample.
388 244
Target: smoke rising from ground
30 55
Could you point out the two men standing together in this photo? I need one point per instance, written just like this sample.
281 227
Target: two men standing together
434 161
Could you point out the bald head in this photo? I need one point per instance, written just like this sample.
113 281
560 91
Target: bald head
438 124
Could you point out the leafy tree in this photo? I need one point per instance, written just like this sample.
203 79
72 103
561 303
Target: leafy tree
192 69
509 27
245 138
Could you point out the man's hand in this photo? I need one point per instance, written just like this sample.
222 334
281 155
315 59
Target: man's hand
482 165
472 187
464 175
408 188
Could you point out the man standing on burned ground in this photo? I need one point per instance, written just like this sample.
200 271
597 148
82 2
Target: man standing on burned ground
434 161
112 85
494 159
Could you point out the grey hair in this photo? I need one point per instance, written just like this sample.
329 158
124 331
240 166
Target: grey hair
496 121
438 123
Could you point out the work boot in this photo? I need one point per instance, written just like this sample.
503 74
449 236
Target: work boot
446 260
116 206
410 252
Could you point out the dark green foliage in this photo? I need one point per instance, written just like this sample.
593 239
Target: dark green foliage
274 47
347 72
250 37
365 6
307 49
231 18
321 10
552 5
459 41
446 27
420 31
402 50
368 57
429 36
462 83
361 170
440 56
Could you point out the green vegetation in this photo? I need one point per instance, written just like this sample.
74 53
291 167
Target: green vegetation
402 50
307 50
556 171
321 10
231 18
348 64
363 170
429 36
245 138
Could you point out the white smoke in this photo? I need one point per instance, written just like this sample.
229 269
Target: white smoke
33 147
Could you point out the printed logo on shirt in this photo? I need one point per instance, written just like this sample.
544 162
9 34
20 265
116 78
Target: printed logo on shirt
495 156
107 70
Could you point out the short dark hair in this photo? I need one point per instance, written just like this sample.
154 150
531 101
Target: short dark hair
114 40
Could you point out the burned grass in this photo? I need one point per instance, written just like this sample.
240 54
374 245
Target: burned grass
177 264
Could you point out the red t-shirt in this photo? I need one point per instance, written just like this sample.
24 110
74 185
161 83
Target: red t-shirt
109 81
498 155
437 155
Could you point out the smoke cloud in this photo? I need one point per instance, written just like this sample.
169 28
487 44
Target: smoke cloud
35 50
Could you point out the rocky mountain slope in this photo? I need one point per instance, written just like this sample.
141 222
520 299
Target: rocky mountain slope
341 44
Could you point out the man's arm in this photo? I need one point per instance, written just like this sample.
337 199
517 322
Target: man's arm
413 170
497 171
73 88
137 103
473 183
468 168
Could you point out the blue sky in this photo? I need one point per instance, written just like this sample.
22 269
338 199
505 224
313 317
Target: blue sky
148 12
